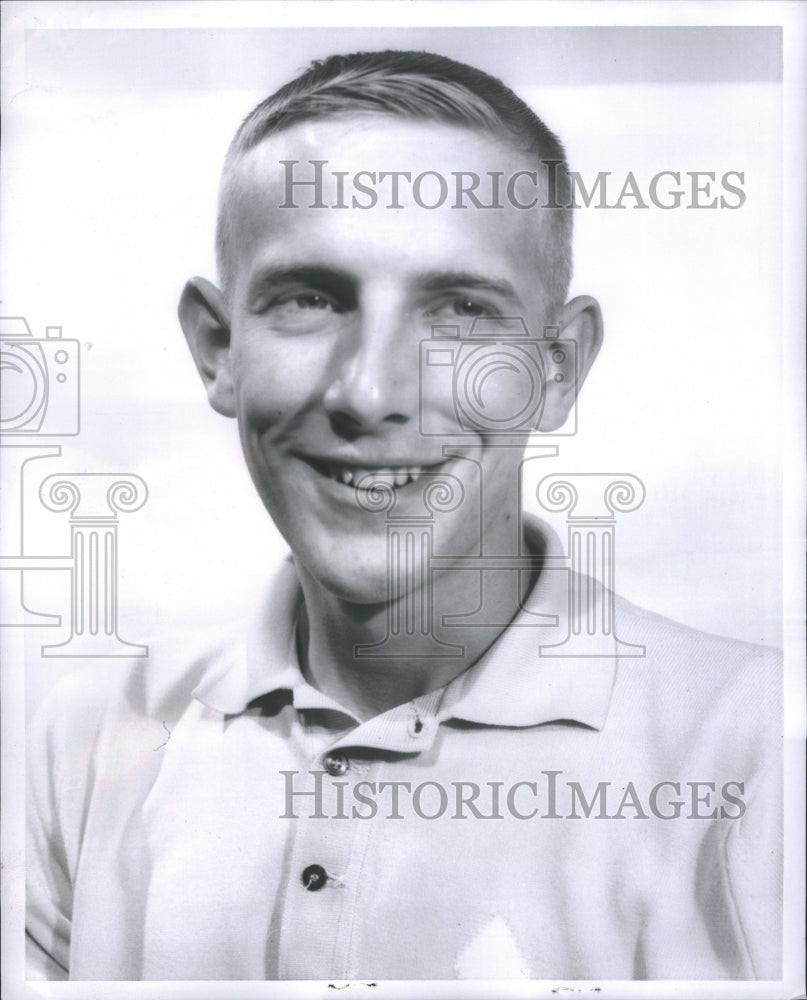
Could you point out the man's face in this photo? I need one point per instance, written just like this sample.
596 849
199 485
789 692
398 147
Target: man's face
327 312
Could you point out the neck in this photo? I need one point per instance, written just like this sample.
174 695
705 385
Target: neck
337 637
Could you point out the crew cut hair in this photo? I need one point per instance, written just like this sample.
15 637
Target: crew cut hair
416 86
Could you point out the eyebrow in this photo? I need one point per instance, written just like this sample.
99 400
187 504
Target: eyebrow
326 277
334 279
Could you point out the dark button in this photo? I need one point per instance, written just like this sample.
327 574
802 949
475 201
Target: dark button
336 763
314 877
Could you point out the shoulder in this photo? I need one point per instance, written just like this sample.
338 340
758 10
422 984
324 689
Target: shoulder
703 689
668 639
112 704
118 695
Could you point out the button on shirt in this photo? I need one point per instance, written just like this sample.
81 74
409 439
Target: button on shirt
217 817
336 763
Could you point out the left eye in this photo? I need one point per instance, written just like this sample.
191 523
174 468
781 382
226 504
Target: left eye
467 307
462 306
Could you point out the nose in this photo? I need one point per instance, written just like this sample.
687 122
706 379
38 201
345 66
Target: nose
373 377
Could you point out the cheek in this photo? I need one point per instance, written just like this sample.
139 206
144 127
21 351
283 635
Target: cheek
273 381
263 398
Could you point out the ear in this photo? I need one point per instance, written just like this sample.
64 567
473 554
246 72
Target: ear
567 366
204 317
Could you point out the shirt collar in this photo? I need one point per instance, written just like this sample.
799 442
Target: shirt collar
515 683
265 660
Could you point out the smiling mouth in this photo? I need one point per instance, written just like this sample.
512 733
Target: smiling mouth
364 477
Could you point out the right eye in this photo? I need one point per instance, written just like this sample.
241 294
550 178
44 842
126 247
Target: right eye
303 310
318 301
309 300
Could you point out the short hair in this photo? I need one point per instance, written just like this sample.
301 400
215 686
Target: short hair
414 86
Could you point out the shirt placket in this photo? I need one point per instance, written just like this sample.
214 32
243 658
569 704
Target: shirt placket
327 848
330 842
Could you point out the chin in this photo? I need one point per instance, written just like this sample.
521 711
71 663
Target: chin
345 574
356 587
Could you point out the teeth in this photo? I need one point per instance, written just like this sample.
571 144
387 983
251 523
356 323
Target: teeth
397 477
372 475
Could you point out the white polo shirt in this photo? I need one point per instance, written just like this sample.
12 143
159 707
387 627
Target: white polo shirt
595 817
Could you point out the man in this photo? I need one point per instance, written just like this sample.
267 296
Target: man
400 772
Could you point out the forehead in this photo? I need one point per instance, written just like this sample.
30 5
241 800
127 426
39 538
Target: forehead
384 137
367 191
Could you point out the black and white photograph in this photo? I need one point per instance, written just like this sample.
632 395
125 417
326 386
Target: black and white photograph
402 452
